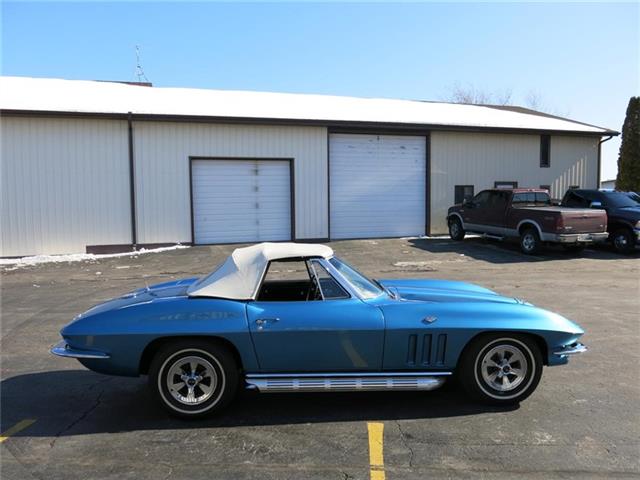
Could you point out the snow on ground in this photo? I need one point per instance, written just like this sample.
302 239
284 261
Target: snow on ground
16 263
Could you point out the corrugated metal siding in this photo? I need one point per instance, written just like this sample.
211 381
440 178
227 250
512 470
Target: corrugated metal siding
162 152
64 185
480 159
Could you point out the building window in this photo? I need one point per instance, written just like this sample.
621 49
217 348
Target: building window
463 192
505 185
545 151
574 187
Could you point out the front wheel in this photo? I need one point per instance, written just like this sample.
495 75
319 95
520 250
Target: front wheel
456 231
623 240
193 378
501 369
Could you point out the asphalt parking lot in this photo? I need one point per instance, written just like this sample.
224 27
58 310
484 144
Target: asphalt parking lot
583 421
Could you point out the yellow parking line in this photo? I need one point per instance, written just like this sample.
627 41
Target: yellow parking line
21 425
376 459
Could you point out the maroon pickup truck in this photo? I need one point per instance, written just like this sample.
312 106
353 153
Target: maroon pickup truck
527 214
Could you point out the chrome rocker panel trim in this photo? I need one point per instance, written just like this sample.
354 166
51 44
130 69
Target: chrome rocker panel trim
345 382
62 349
574 349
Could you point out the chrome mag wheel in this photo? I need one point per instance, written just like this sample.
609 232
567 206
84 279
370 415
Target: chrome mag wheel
454 229
191 380
500 368
504 368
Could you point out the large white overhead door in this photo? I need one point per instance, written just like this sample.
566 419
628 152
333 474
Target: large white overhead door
241 200
377 185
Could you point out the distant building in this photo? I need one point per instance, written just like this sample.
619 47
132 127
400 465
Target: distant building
98 166
611 184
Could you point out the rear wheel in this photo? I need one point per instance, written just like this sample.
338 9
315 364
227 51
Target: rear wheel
193 378
500 369
529 241
622 240
456 232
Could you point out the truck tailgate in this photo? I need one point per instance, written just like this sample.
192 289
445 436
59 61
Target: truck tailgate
584 220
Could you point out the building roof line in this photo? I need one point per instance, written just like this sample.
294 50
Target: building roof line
336 125
25 94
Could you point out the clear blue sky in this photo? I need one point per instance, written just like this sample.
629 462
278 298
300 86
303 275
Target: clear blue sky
582 60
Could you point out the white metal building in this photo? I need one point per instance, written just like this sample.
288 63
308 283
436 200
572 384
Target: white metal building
98 166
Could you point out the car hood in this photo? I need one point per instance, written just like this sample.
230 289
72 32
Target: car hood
628 213
445 291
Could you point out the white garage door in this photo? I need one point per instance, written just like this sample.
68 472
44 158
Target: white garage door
241 201
377 185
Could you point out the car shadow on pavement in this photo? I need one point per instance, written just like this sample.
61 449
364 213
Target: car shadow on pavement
501 252
79 402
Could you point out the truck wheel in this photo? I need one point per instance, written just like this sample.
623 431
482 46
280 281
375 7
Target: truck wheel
500 369
456 232
529 241
193 378
622 240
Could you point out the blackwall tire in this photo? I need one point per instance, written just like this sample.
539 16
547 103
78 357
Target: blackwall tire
192 379
521 364
456 232
623 241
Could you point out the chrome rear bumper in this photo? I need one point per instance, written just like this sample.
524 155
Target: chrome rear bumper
573 349
62 349
575 237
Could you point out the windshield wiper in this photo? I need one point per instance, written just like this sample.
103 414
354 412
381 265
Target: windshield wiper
385 289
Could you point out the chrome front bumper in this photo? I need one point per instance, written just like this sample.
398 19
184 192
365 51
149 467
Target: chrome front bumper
573 349
62 349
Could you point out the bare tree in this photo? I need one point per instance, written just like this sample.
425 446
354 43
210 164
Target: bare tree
475 96
533 100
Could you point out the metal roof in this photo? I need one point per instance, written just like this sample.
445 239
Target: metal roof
82 97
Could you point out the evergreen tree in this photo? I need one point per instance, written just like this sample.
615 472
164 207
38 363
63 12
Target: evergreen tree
629 159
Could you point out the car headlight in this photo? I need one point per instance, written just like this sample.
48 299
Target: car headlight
637 224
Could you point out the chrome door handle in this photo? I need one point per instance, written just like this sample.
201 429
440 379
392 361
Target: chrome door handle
261 322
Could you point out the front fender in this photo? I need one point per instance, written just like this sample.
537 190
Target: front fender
423 335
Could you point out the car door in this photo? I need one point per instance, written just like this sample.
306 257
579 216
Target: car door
475 212
335 332
496 210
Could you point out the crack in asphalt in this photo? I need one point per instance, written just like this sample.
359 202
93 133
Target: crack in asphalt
403 439
84 414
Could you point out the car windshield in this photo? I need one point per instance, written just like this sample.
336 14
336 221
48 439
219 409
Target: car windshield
365 287
620 199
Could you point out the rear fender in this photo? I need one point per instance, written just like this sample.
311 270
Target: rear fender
125 333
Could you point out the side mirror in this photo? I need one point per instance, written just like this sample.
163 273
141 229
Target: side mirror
595 205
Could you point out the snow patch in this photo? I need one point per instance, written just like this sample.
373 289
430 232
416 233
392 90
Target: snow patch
78 257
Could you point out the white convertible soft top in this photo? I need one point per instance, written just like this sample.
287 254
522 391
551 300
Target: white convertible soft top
239 277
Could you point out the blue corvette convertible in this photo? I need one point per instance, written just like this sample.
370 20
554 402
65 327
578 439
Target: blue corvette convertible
285 317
